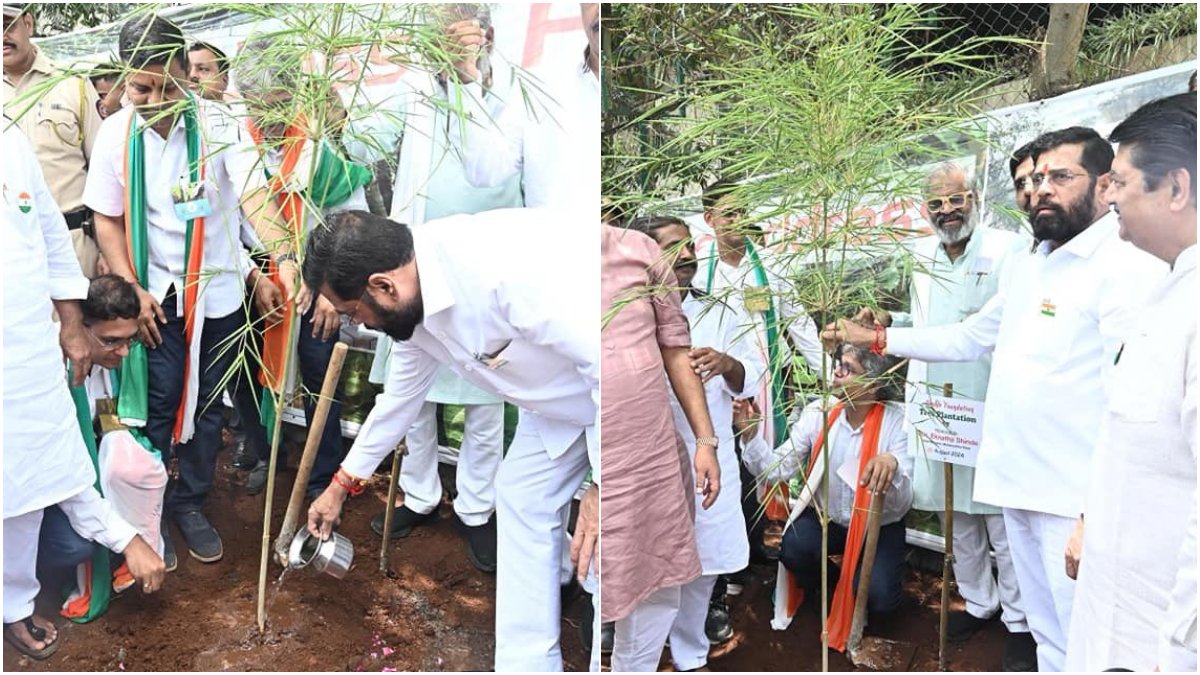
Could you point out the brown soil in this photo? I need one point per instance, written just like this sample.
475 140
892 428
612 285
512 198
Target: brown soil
757 647
433 611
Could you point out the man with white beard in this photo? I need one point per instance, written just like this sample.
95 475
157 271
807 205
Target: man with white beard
1055 325
955 272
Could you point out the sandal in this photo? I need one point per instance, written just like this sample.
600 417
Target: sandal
38 634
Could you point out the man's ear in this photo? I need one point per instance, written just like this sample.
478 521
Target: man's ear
380 284
1180 182
1103 183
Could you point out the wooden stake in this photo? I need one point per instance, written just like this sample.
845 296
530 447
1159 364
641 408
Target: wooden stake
874 521
948 557
390 509
315 431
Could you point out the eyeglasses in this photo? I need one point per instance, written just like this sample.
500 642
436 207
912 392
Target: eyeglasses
1057 177
956 201
114 344
351 318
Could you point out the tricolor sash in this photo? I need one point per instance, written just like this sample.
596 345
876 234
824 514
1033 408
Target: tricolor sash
132 401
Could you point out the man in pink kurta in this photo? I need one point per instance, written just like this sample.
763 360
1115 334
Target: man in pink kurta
647 535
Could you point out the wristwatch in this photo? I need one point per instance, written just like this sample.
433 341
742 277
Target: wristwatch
707 440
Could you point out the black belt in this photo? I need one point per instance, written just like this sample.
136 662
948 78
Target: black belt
81 219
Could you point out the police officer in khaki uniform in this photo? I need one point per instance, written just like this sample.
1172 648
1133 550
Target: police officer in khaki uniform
60 120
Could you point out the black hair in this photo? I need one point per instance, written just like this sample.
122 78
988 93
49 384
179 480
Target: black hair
151 41
1161 136
648 225
351 247
110 297
105 73
1020 155
878 369
1097 152
221 60
715 191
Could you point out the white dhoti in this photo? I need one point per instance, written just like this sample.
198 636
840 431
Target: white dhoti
974 536
91 517
1038 542
689 641
640 637
533 494
478 461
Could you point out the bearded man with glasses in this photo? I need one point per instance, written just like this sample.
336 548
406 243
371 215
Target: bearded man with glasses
956 271
1054 327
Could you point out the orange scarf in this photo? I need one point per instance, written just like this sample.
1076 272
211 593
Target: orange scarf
291 204
841 614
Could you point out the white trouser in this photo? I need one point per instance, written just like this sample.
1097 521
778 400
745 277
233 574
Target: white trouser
974 535
478 461
532 493
1037 542
91 517
689 641
640 637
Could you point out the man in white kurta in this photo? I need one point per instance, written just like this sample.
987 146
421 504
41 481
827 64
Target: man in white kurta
515 322
45 459
549 140
726 358
1135 602
431 184
956 271
1054 328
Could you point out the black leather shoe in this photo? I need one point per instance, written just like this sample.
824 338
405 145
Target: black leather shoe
202 539
1020 653
404 520
257 480
608 635
243 458
170 561
481 544
960 626
717 626
587 623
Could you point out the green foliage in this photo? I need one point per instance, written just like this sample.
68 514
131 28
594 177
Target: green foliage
829 116
1109 47
52 18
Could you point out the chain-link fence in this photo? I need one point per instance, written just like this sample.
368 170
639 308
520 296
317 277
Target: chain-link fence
1072 45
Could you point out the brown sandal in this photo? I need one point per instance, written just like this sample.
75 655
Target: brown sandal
37 633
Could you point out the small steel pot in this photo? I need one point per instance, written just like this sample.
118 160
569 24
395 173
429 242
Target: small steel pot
332 556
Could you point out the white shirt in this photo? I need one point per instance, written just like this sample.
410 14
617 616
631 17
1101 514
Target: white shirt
492 284
226 263
552 140
946 292
845 447
729 284
1055 326
1135 600
720 530
45 459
